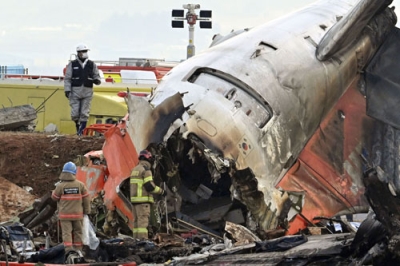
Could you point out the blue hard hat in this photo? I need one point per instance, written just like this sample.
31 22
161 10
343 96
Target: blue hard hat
69 167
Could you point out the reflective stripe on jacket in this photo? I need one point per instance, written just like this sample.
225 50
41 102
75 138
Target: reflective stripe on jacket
141 177
73 198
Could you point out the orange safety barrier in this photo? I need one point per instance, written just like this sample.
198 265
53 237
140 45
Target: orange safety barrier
97 128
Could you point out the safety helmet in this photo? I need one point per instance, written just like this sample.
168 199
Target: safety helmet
145 154
69 167
82 47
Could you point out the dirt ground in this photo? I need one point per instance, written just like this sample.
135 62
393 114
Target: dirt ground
36 159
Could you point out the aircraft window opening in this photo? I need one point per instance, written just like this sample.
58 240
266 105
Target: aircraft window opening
241 95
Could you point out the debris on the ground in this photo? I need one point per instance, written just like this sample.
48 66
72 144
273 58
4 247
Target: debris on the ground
377 240
50 128
17 117
240 234
22 157
190 242
320 250
207 230
14 200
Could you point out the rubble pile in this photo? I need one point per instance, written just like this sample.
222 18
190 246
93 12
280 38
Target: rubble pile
14 199
35 160
199 223
18 118
190 245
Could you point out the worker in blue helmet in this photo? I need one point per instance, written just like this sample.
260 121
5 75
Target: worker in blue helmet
73 202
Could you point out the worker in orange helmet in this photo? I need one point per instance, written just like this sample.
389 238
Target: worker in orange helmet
142 188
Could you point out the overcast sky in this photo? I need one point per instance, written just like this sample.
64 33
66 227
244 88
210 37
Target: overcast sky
42 34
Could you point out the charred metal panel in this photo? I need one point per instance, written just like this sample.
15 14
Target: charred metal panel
383 81
164 115
150 125
386 206
332 135
318 250
246 191
30 214
186 220
343 33
320 198
370 232
330 169
385 153
240 234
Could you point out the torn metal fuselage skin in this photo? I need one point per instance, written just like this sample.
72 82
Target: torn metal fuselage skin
250 104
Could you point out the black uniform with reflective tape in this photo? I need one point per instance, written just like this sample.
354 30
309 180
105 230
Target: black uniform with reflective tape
142 185
82 76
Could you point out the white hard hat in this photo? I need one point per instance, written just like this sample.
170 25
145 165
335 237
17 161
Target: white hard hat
82 47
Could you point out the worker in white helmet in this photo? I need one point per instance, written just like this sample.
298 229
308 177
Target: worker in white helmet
80 76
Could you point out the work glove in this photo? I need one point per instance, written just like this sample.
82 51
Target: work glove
164 193
97 82
67 93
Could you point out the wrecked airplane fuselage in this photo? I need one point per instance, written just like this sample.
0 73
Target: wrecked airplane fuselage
247 107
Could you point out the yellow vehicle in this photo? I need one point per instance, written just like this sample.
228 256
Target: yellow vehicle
47 96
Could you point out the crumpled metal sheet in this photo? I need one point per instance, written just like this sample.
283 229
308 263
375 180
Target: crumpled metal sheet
241 234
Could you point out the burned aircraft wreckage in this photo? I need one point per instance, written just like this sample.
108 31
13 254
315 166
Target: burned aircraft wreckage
269 107
273 128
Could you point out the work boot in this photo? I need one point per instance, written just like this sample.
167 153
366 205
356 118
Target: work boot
82 126
77 126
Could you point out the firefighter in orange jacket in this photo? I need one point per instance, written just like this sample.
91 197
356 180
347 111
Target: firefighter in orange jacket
73 202
141 189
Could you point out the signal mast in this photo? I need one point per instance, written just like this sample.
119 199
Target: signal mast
178 17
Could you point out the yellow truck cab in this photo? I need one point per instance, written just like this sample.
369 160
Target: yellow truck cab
47 97
46 93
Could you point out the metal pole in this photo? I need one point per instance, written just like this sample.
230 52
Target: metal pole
195 227
166 208
191 47
42 104
4 244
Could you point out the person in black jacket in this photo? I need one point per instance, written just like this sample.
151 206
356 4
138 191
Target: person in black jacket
80 76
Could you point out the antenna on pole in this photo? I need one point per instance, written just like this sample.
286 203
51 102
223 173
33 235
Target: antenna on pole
178 17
